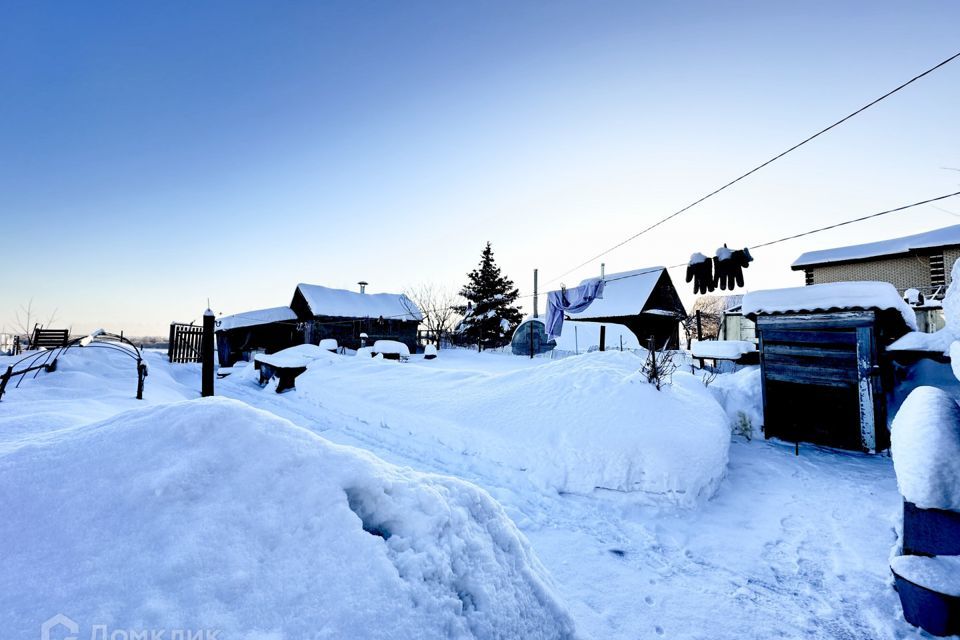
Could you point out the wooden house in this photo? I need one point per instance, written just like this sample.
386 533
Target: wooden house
241 335
643 300
344 315
317 313
821 360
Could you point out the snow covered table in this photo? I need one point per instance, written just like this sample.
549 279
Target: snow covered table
287 364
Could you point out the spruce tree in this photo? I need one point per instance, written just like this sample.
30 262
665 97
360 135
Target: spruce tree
490 317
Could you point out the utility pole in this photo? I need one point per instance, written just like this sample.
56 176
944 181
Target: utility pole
535 296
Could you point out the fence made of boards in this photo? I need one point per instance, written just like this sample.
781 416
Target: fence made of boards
185 343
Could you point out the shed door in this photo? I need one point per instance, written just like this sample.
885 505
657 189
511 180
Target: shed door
819 379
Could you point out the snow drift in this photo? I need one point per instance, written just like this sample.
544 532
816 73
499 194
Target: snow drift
925 445
573 425
208 514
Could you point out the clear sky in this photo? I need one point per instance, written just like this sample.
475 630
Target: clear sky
156 154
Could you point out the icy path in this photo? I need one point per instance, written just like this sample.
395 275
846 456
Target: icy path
791 547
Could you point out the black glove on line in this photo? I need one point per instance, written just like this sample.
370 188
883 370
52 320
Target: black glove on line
700 271
729 266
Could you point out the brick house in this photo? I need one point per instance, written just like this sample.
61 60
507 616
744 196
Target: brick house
922 261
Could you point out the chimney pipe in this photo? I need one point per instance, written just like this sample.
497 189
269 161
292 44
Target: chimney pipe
363 286
603 268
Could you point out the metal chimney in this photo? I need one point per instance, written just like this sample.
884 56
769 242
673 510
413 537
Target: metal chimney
363 286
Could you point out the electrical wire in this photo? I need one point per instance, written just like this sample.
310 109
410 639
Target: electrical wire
760 166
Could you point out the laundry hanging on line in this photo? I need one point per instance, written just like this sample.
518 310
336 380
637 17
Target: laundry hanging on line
724 270
573 300
700 271
728 266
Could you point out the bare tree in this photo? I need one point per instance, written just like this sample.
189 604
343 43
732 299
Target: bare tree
711 310
27 317
438 304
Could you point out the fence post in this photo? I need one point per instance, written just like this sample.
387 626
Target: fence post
700 334
170 344
603 337
206 354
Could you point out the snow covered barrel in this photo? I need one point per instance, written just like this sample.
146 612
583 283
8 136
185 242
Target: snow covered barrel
926 456
929 591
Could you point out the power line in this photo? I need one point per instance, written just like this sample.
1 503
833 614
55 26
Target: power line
760 166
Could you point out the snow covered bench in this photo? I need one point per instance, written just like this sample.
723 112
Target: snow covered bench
391 350
736 351
287 364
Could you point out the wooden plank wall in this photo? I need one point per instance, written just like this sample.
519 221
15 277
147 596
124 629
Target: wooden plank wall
826 361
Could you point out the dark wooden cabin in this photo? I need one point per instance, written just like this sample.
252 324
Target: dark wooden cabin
344 315
268 330
643 300
824 377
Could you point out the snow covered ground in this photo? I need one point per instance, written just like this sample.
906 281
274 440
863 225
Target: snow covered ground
781 546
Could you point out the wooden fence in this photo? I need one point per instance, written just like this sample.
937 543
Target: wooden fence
185 342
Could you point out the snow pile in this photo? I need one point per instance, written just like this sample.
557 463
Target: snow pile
297 356
741 396
579 336
391 347
940 574
925 445
724 349
829 297
329 344
209 514
430 351
572 425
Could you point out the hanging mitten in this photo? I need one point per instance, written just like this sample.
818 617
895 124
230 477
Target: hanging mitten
739 261
729 266
722 275
700 271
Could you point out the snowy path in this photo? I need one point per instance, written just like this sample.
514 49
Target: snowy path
790 547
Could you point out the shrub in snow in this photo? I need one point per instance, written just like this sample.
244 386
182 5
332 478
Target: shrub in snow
208 514
658 367
741 396
925 445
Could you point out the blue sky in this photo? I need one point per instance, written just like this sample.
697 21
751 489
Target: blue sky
157 154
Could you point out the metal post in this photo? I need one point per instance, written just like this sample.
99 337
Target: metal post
170 344
603 337
531 325
535 314
700 335
206 354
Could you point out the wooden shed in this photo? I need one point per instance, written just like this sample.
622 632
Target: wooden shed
241 335
643 300
344 315
821 362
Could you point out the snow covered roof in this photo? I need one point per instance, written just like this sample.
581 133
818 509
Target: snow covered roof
936 238
255 317
832 296
341 303
624 294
